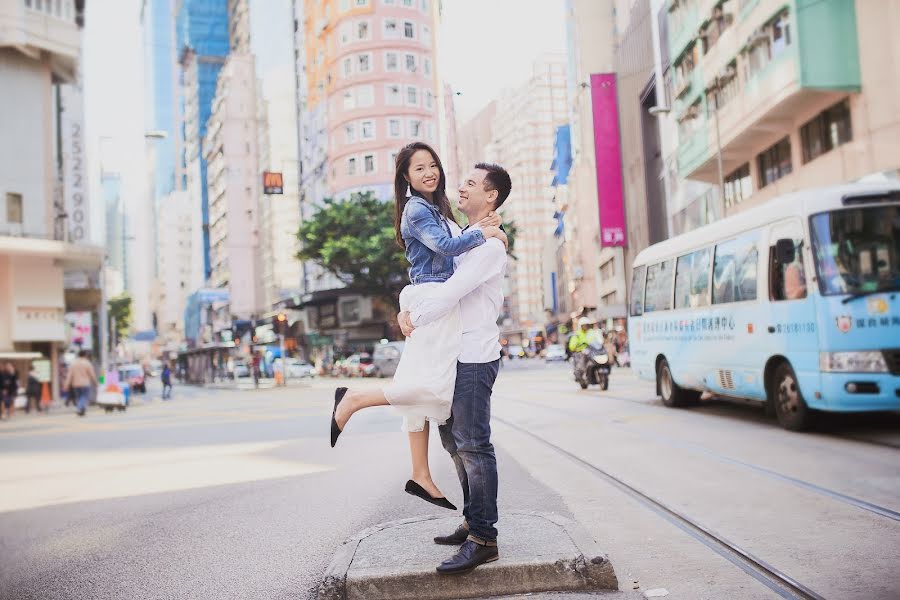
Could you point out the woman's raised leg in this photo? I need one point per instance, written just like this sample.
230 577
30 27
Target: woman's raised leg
357 400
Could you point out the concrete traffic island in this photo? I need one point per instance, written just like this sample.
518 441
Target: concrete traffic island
396 561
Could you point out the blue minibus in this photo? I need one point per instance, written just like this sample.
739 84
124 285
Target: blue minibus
793 303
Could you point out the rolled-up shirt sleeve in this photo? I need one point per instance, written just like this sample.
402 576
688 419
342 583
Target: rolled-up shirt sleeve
478 266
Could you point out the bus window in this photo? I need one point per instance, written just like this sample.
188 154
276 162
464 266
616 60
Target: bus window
692 280
659 287
637 291
735 270
788 281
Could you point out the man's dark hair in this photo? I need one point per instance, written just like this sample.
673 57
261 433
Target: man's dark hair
496 179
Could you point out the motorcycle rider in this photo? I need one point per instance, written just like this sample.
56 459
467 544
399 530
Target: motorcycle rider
581 339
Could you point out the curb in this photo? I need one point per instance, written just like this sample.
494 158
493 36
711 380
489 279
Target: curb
588 570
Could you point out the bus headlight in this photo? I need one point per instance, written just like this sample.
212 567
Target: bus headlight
852 362
601 359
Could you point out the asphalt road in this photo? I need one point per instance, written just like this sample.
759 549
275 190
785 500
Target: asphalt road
236 494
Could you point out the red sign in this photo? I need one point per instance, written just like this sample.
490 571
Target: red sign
273 183
608 156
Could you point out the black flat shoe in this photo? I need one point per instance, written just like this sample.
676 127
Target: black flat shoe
470 555
335 430
417 490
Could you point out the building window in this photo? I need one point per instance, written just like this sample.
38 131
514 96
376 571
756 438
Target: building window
390 61
412 95
726 87
14 208
426 66
365 96
735 268
346 32
364 63
408 3
768 43
390 2
722 19
409 30
415 128
349 100
426 35
362 2
390 28
392 94
826 131
351 166
368 130
425 6
345 5
362 30
350 132
348 67
738 186
690 122
429 131
369 162
774 163
684 69
410 63
429 99
394 128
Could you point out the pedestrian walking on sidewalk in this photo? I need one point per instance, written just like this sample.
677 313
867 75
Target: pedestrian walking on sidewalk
80 378
423 384
9 389
166 379
33 392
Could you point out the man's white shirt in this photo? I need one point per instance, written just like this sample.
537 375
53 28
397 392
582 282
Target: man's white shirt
477 286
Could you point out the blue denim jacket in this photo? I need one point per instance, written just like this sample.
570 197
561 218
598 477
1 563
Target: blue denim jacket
430 246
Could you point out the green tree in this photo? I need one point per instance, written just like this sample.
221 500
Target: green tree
354 239
119 309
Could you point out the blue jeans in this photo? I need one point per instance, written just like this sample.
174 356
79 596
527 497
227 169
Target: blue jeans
83 394
467 437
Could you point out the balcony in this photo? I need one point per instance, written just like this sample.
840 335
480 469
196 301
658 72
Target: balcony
768 66
33 32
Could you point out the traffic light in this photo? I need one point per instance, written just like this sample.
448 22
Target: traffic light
281 324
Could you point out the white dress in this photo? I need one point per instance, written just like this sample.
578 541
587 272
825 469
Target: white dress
423 385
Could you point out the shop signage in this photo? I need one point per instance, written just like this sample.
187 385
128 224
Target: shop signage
608 159
273 183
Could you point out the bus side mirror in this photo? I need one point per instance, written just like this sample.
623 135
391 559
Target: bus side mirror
785 251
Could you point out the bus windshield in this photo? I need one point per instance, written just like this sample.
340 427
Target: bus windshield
857 250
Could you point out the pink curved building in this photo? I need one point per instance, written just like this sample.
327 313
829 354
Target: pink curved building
371 78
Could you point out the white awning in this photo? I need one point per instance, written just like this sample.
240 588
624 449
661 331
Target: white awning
20 355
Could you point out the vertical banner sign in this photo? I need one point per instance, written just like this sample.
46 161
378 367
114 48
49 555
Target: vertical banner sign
75 183
608 156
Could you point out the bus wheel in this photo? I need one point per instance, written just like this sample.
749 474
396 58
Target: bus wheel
790 408
671 393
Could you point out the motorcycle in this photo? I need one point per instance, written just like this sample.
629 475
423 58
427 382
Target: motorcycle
592 366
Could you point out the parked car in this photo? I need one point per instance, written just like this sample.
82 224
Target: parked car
386 358
133 375
516 351
241 369
555 352
358 365
296 368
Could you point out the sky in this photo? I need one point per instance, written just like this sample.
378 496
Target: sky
487 45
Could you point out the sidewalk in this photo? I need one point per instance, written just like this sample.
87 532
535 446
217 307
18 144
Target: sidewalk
397 560
246 384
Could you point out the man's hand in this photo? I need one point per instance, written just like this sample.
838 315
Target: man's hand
405 322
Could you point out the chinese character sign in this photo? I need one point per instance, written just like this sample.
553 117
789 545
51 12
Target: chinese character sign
608 157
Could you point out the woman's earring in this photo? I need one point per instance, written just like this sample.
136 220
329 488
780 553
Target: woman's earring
408 191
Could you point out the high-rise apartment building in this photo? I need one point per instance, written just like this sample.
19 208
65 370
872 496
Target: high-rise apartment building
201 45
524 132
785 95
45 217
231 149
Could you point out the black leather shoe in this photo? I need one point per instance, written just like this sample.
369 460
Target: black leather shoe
454 539
335 430
417 490
470 555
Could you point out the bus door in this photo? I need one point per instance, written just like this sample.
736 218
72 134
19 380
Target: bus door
791 327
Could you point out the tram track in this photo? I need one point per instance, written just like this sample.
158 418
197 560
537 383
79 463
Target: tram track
779 582
871 507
